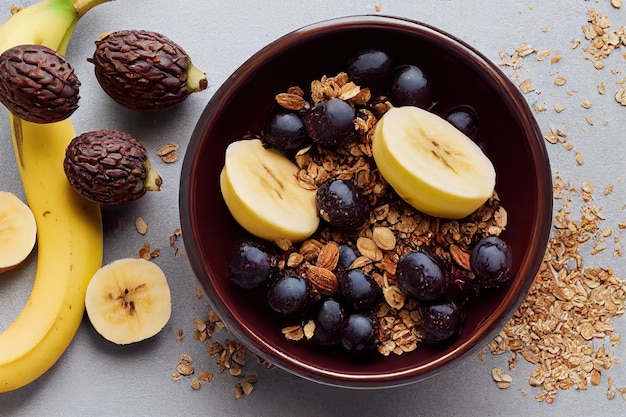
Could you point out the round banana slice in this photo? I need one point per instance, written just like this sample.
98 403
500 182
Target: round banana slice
261 191
18 231
430 164
128 300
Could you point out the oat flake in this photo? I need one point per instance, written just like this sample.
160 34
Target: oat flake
567 309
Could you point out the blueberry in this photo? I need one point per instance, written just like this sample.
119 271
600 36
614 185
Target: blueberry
441 322
330 123
420 274
347 255
250 263
358 333
465 119
289 295
342 205
410 87
359 289
491 261
369 68
284 130
329 318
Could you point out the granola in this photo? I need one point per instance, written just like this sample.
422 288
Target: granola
394 226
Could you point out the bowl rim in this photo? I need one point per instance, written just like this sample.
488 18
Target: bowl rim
530 264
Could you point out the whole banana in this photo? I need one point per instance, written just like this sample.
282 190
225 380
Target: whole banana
69 228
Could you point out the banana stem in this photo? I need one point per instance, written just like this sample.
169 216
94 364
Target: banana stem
83 6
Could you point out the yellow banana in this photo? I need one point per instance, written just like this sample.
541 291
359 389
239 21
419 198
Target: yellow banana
69 228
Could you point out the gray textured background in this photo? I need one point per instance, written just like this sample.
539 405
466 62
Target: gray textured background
96 378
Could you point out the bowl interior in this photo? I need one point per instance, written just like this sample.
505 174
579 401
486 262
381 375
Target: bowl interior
460 75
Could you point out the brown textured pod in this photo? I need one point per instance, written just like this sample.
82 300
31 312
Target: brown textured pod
145 71
37 84
109 167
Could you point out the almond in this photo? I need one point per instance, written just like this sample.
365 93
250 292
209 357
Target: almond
323 280
461 257
328 256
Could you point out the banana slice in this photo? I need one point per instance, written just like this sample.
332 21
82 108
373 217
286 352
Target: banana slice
430 164
260 188
18 231
128 300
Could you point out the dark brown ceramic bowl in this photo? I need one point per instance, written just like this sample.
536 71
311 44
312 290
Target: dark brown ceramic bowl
461 75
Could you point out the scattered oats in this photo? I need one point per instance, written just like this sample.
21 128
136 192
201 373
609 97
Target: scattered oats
556 58
181 335
601 88
199 292
589 121
586 104
176 377
184 369
559 107
141 225
575 43
527 86
238 390
553 139
168 153
602 41
567 308
560 80
543 54
503 381
247 387
173 239
480 356
144 251
524 49
616 3
610 394
579 158
539 108
195 384
620 96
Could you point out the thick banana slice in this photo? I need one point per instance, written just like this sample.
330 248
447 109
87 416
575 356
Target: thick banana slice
18 231
128 300
430 164
261 191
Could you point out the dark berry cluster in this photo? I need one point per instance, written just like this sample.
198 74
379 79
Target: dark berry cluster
343 318
444 289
